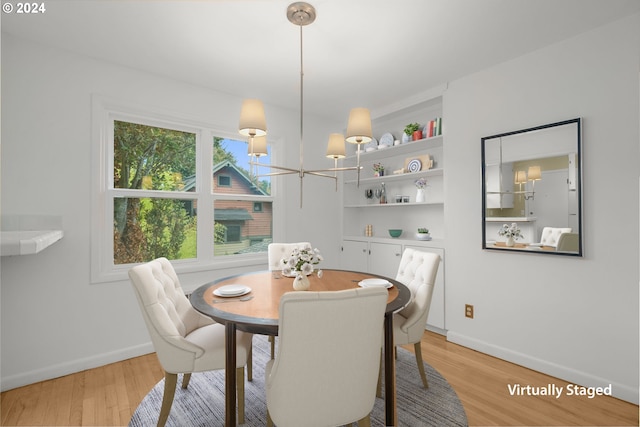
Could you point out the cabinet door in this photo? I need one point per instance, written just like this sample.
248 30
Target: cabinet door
436 311
384 259
355 255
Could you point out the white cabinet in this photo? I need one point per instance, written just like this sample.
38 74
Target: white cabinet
384 259
376 256
357 255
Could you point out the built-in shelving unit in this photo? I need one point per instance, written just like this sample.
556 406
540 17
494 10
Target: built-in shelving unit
380 253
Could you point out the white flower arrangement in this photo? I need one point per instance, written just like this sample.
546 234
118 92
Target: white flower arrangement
421 183
302 261
510 231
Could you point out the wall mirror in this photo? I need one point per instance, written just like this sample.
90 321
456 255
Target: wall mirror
532 178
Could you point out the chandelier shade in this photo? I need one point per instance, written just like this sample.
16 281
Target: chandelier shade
252 119
258 146
335 147
359 126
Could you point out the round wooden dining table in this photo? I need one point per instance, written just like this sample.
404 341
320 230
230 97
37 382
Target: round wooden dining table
259 315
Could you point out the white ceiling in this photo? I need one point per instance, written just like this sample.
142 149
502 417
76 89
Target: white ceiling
368 53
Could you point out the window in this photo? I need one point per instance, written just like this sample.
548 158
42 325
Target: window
176 189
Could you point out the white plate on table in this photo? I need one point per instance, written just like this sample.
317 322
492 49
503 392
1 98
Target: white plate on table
232 291
375 283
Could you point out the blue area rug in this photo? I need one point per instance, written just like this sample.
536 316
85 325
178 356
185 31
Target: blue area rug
202 403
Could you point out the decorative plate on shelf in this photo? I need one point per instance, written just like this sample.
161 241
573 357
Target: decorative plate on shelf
418 163
371 145
386 140
414 165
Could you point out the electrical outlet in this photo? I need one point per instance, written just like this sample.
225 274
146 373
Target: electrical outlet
468 311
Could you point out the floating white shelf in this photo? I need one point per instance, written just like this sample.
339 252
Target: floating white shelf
27 242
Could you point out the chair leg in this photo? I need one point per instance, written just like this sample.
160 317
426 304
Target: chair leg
365 422
250 364
379 387
170 381
269 420
420 363
272 340
240 393
185 379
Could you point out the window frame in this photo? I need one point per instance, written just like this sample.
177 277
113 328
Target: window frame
104 112
224 185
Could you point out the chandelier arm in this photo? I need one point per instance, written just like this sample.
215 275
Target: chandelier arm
278 173
292 170
319 173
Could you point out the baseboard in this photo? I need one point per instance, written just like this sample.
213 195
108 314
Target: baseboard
620 391
71 367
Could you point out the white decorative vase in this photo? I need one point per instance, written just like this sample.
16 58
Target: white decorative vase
510 242
420 195
301 282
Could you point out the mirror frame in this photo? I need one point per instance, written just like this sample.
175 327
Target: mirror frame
578 188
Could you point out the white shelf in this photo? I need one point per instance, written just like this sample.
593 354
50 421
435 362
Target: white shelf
406 148
388 205
433 243
398 177
28 242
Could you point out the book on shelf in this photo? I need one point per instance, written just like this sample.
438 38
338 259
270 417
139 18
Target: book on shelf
433 128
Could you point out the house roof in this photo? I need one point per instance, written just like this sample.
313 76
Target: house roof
190 181
231 215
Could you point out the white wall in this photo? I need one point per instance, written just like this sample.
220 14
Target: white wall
53 320
575 318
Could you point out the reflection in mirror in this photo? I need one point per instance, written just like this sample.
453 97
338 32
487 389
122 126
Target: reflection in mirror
531 186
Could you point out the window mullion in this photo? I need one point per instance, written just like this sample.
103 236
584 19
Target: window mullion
204 190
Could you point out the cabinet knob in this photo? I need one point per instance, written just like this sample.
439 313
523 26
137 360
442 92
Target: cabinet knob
397 254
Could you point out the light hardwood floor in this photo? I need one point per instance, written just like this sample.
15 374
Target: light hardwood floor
109 395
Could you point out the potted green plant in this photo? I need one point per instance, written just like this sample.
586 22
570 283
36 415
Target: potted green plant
423 234
414 131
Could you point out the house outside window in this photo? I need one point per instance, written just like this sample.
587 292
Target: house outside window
161 183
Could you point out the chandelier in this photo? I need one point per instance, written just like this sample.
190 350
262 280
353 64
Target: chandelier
253 123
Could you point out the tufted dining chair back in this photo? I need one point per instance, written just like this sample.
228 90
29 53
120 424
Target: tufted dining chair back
417 271
324 373
550 235
185 340
277 251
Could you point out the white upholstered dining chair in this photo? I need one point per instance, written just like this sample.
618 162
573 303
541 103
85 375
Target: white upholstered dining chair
277 251
324 373
417 271
550 235
185 340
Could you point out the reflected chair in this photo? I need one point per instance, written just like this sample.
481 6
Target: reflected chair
324 373
185 340
550 235
417 271
277 251
568 242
